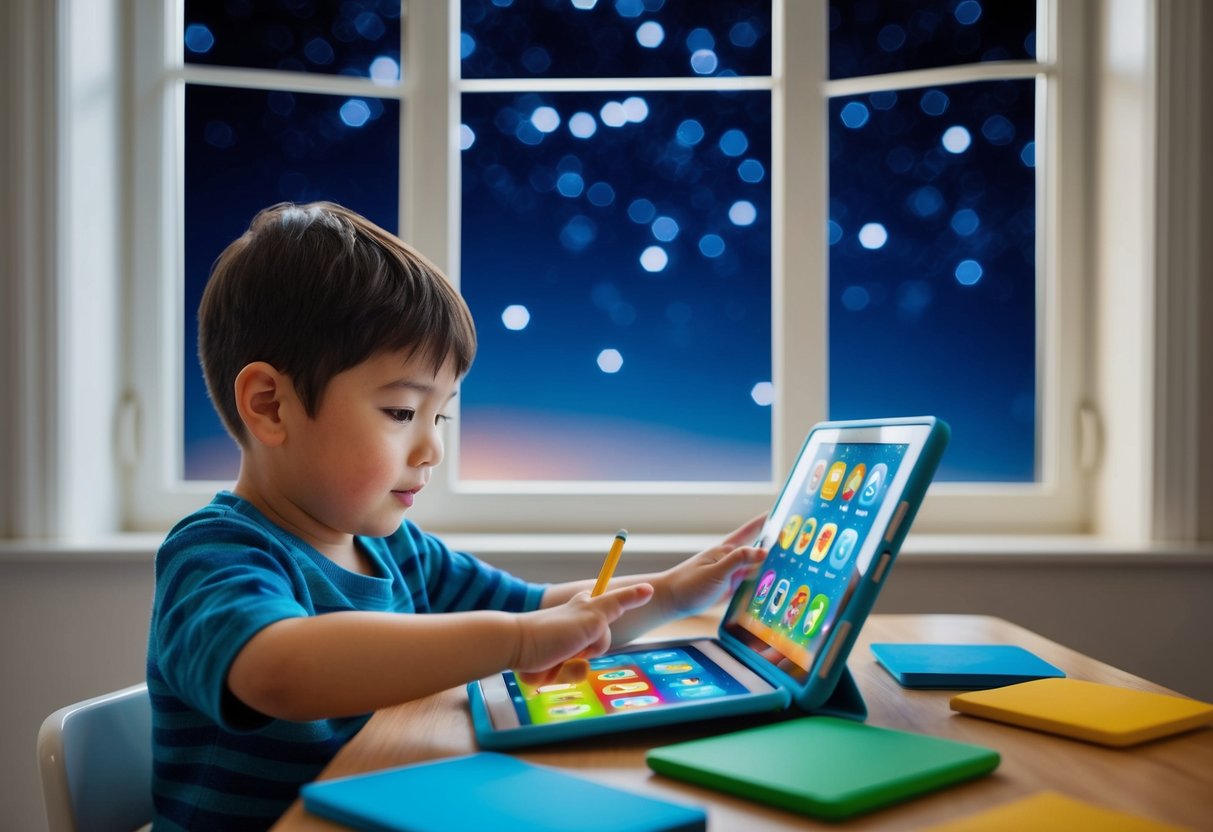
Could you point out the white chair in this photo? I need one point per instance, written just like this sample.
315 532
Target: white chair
95 758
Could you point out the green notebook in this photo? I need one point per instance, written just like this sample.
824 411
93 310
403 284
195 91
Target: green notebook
823 766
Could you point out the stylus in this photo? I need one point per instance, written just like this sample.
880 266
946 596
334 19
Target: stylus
608 565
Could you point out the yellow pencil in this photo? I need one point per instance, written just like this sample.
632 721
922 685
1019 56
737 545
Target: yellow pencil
608 565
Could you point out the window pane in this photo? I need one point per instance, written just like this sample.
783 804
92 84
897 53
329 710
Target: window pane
331 37
245 150
616 255
932 267
614 38
871 37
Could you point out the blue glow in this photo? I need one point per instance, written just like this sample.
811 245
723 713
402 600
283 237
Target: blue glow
467 137
743 34
763 394
956 139
689 133
873 236
515 317
751 170
967 12
855 298
584 5
1028 155
582 125
319 51
965 222
926 201
198 38
578 233
355 112
385 70
629 8
536 60
891 38
600 194
641 211
610 361
613 114
545 119
934 103
743 212
370 26
635 109
654 259
700 38
650 34
704 61
665 229
833 232
854 115
467 45
570 184
711 245
968 272
883 100
733 143
998 130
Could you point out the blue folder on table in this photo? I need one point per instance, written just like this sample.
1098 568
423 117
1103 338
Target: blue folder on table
489 791
962 666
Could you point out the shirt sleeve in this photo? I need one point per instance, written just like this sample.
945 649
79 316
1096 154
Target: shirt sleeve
457 581
212 597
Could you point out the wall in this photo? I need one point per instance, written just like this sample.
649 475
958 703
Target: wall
71 628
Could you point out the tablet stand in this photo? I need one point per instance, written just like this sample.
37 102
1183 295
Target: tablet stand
845 701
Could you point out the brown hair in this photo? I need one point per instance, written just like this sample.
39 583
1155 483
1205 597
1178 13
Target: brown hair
314 290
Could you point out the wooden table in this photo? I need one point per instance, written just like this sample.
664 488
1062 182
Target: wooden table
1168 780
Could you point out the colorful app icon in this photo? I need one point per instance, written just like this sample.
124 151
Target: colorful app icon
666 655
566 696
568 710
634 702
764 588
614 675
824 540
817 611
874 485
854 481
819 471
599 662
833 479
806 535
778 596
624 687
701 692
795 606
844 548
789 531
689 681
555 687
673 667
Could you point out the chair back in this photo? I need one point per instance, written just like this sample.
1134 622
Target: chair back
95 759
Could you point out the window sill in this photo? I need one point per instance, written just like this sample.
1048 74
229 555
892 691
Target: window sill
646 552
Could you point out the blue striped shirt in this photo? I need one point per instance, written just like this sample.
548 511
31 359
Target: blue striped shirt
224 573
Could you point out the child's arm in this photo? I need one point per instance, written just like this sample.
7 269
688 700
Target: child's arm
347 663
689 587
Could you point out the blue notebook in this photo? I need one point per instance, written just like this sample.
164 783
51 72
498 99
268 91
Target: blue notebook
962 666
489 791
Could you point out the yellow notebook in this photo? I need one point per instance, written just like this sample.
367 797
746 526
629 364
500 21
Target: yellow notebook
1052 812
1087 710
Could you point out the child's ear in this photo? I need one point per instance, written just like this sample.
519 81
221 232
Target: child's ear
260 399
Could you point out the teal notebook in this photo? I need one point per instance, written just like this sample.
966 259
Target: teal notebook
823 766
962 666
489 791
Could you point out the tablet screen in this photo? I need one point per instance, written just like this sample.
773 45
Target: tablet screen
626 681
822 535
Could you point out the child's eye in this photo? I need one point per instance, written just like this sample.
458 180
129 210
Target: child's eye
400 414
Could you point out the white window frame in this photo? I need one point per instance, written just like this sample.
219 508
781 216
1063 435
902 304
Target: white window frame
68 370
429 94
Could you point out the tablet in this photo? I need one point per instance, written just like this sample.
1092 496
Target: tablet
831 537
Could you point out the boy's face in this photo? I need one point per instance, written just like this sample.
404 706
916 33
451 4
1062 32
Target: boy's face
360 462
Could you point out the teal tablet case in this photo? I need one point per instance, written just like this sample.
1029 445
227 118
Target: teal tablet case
962 666
831 691
495 792
822 766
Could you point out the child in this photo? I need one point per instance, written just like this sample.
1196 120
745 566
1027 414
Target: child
293 606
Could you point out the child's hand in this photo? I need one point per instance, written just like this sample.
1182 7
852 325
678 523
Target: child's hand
712 575
575 630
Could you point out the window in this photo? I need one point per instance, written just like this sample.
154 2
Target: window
685 236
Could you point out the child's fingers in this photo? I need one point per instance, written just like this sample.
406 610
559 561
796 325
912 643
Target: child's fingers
616 602
745 533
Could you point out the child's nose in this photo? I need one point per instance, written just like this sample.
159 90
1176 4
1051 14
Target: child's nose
427 451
